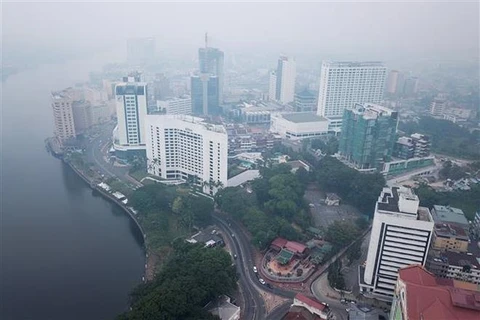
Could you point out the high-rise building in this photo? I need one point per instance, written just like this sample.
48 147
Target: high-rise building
211 62
286 75
419 295
82 116
305 101
410 86
181 105
161 87
392 82
131 105
140 50
272 86
204 94
400 236
368 135
181 147
63 116
342 84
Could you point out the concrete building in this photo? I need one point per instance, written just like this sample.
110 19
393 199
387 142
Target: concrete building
299 125
140 51
304 307
180 105
272 85
181 147
415 146
224 309
305 101
410 86
392 82
439 105
400 236
450 215
368 136
161 87
63 116
101 113
342 84
450 237
463 266
205 94
82 116
419 295
131 106
286 75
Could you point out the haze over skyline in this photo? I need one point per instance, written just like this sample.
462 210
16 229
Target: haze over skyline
434 30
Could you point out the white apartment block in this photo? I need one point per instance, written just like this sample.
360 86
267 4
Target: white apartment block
342 84
400 236
182 147
131 106
181 105
63 116
272 86
286 76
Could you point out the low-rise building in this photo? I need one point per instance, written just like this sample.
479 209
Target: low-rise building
332 199
419 295
180 105
224 308
447 214
299 125
316 309
449 236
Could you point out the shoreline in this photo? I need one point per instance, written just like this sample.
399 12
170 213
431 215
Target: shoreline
149 270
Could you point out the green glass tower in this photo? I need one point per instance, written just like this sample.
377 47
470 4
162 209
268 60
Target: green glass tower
368 135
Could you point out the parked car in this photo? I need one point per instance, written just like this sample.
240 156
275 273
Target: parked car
261 281
255 269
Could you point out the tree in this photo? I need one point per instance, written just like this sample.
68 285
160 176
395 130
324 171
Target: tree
192 277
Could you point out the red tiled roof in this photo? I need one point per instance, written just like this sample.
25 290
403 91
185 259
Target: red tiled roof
428 299
295 246
279 242
311 302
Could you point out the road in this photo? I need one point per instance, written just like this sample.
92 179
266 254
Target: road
96 151
248 278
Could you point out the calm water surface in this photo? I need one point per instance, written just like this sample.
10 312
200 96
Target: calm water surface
65 253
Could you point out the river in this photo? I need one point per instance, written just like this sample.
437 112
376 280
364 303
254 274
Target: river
65 253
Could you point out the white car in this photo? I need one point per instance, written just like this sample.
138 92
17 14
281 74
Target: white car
261 281
254 269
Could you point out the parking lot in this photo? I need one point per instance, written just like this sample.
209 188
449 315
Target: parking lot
324 215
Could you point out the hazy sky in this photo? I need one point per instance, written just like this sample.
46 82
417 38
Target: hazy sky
436 29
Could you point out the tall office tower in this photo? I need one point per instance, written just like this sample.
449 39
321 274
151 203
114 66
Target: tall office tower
211 61
305 101
400 236
63 116
180 105
182 147
204 94
82 116
342 84
140 51
368 135
272 86
131 105
392 82
410 86
161 87
286 76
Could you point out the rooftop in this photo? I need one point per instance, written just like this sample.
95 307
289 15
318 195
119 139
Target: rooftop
189 119
299 117
450 230
299 313
371 111
448 214
354 64
312 302
243 177
223 308
429 298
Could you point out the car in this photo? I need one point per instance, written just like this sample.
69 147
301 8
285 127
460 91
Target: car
311 205
261 281
234 256
233 235
255 269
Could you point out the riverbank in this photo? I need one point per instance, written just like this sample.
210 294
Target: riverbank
150 257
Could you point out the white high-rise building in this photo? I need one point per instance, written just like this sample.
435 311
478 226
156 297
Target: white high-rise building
342 84
131 105
63 116
286 76
272 86
181 105
400 236
181 147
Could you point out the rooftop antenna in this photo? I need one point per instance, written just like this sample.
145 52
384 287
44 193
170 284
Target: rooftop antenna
206 39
